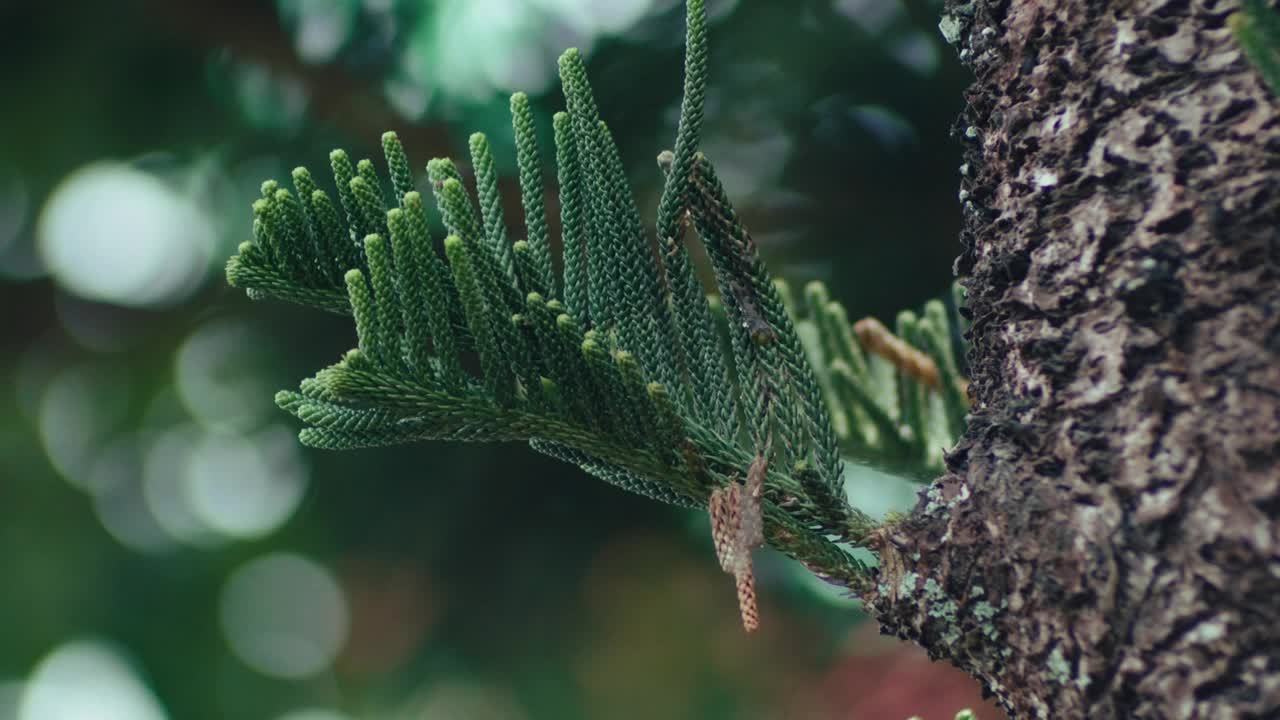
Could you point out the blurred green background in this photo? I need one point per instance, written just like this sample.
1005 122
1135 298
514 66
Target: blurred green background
168 550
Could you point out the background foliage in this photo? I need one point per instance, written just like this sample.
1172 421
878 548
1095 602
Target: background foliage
166 544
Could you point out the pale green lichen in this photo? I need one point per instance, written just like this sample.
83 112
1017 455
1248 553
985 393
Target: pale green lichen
939 605
936 502
933 589
1059 668
976 591
984 612
942 609
908 584
951 26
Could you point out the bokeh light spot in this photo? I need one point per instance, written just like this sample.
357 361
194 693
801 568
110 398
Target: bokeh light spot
873 15
917 51
245 487
321 27
118 499
10 697
470 701
164 486
218 375
618 15
407 95
591 18
113 233
83 680
522 42
78 411
889 128
266 98
284 615
314 714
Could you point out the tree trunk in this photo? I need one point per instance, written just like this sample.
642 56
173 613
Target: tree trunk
1105 543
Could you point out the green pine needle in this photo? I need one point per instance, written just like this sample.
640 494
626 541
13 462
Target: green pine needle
495 228
386 321
397 165
535 215
572 219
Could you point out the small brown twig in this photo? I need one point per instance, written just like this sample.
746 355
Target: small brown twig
877 338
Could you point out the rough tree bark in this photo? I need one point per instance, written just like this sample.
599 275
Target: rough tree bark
1106 542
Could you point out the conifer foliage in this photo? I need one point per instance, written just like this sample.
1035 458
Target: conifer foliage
621 364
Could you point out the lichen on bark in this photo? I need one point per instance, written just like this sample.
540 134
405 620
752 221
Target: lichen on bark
1106 542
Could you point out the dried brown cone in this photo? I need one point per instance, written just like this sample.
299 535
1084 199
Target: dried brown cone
725 523
747 599
736 530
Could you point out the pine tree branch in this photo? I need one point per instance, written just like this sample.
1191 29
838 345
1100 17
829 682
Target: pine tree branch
619 366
